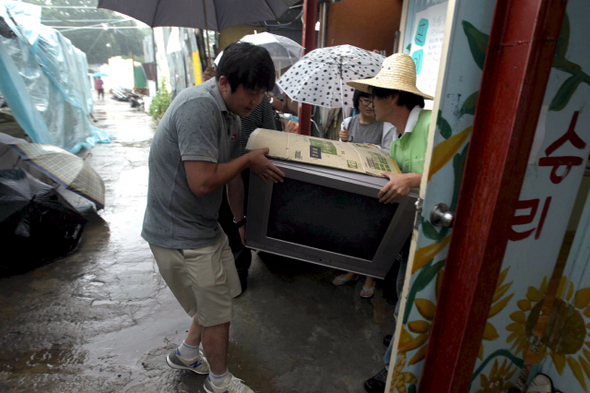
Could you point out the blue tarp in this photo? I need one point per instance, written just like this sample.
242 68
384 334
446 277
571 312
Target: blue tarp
44 80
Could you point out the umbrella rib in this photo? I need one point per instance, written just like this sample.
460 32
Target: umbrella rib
155 13
271 10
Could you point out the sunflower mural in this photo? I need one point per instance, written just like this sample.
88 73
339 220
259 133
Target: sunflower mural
566 334
499 302
401 379
445 174
499 378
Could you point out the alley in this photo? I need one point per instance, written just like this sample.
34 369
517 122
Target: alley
103 320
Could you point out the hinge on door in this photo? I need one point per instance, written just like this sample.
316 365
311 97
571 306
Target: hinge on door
418 204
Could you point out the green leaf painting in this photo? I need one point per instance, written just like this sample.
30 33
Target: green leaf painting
569 87
478 43
445 128
427 274
565 92
468 107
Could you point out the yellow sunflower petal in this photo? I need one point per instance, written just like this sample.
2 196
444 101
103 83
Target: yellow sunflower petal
582 298
559 361
503 368
490 332
419 327
494 369
518 316
413 344
496 308
426 308
405 336
514 327
587 344
420 355
577 370
480 352
444 151
483 380
401 363
512 336
586 353
502 276
585 366
570 291
509 375
524 304
411 378
561 287
501 291
533 295
587 312
425 254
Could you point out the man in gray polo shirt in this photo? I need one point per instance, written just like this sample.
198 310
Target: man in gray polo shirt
194 153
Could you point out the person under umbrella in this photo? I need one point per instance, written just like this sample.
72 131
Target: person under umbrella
397 100
364 128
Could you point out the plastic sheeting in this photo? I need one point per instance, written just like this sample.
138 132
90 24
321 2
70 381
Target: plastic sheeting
44 80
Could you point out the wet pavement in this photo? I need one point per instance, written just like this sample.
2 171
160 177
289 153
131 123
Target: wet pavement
102 320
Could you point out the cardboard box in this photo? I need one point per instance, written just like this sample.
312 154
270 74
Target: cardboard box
354 157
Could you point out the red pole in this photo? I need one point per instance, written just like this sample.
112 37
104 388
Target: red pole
518 62
309 20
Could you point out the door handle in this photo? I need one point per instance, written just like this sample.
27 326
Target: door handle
440 216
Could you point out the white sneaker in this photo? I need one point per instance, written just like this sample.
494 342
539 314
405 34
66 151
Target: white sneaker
231 384
197 365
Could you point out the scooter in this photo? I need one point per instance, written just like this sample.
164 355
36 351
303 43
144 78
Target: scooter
136 101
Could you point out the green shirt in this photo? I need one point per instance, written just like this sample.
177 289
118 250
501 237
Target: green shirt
409 149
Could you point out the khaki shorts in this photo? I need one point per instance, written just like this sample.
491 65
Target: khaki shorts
203 280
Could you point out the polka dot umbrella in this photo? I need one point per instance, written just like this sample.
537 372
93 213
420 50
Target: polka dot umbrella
319 77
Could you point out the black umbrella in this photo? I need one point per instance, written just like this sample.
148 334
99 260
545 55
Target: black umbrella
37 225
202 14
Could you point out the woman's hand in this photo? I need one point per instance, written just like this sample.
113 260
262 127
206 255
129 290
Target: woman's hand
344 135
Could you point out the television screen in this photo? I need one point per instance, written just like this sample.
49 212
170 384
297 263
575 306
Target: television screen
328 217
321 217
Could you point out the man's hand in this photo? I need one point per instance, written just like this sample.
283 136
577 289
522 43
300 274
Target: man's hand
261 166
344 135
399 185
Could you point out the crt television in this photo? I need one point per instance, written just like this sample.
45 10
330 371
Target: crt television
329 217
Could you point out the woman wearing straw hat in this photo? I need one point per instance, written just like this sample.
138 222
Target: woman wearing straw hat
397 100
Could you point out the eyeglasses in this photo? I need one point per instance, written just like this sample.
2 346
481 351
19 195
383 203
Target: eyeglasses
365 101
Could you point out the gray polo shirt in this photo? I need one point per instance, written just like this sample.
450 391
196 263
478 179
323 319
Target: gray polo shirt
196 127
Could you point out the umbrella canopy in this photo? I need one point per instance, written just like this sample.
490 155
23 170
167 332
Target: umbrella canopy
36 224
101 74
184 13
319 77
67 169
283 51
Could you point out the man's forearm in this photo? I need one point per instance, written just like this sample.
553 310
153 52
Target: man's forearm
235 197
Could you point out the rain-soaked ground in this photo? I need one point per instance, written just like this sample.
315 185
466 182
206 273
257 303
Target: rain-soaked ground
102 320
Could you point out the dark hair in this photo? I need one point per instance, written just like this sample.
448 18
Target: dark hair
409 100
356 98
248 65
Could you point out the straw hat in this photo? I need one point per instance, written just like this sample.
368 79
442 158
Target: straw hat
398 72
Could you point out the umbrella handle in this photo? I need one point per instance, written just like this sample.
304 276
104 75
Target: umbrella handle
206 32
